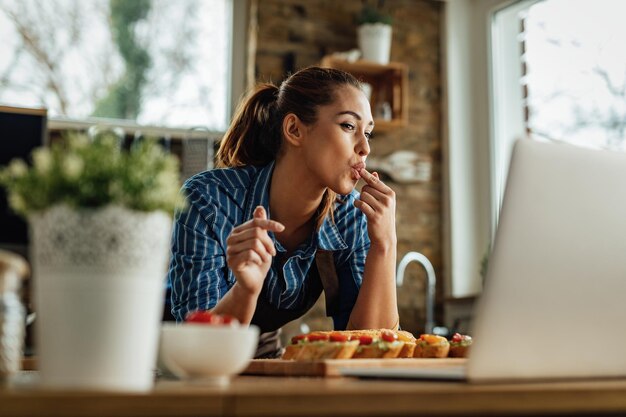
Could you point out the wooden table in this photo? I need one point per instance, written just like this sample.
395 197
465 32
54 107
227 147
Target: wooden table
305 396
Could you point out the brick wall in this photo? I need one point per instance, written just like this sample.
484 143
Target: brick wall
292 34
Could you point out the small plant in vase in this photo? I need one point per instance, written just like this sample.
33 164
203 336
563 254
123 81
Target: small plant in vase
100 223
374 34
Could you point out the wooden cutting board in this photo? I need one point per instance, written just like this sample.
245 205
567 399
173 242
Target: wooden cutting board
330 367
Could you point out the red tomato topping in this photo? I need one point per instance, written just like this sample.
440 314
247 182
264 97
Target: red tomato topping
317 337
460 338
203 316
207 317
296 339
365 340
227 319
338 337
388 336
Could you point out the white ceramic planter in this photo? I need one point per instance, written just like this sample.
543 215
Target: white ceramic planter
99 288
375 42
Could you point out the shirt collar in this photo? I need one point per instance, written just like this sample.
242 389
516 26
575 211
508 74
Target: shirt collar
326 238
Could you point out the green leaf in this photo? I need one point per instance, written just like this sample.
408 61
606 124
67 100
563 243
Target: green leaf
370 14
89 173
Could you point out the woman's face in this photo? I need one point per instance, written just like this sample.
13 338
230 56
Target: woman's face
336 145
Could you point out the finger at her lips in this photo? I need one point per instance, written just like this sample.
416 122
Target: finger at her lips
368 177
373 180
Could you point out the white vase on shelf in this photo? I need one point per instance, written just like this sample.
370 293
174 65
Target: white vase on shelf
99 288
375 41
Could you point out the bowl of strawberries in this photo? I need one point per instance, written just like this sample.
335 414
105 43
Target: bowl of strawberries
207 347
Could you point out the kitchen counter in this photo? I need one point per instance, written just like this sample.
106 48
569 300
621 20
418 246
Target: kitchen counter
300 396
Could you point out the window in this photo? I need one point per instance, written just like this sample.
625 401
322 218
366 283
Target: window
507 101
153 62
558 72
498 89
576 72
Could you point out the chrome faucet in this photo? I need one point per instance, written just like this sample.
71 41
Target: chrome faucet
430 285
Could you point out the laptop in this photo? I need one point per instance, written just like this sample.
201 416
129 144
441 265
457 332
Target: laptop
554 301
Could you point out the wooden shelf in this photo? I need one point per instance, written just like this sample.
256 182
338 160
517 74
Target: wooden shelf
389 84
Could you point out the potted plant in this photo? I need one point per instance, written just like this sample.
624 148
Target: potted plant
100 222
374 34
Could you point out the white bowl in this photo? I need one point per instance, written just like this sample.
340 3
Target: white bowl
207 353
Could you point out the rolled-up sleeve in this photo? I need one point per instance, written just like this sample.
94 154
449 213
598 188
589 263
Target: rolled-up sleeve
198 271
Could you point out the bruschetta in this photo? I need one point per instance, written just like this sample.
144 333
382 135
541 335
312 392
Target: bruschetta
431 346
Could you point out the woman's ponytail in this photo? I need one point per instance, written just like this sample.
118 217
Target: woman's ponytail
253 137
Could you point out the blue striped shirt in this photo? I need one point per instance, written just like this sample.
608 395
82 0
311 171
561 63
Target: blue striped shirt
221 199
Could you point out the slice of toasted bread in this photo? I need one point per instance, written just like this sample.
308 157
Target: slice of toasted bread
458 351
423 350
407 350
378 349
337 350
320 345
431 346
309 351
291 351
459 345
324 345
409 343
405 336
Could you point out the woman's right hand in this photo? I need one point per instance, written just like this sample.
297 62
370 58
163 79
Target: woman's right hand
250 250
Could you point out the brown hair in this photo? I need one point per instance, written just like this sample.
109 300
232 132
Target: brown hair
255 134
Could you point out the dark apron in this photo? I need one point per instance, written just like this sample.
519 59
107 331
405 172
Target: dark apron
269 319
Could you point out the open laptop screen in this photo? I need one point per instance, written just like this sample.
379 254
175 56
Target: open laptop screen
553 304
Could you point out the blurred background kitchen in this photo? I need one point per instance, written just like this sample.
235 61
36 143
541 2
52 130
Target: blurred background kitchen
464 79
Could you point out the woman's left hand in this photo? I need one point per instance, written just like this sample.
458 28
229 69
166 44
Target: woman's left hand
378 203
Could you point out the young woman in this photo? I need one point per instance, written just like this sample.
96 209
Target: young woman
281 220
